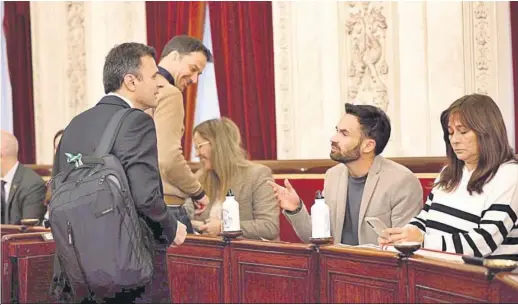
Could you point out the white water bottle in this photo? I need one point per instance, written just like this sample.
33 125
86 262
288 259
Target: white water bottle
230 209
320 223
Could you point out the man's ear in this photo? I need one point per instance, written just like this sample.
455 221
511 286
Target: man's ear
369 145
175 56
129 82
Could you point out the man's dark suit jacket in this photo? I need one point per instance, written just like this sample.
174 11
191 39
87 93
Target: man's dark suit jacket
26 196
135 147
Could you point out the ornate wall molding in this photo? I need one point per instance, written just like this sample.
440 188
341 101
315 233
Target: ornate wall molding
478 53
367 67
413 59
282 29
76 68
482 47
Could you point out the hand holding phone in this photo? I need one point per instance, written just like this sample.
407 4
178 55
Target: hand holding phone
377 225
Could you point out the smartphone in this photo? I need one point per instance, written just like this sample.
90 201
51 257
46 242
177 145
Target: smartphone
377 225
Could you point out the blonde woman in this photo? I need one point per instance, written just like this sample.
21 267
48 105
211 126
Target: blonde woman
225 166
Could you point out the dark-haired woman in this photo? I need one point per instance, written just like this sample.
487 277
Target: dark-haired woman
473 206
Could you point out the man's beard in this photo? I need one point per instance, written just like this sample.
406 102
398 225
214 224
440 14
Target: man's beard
348 157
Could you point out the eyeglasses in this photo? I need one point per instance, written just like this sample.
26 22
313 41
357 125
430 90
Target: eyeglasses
198 146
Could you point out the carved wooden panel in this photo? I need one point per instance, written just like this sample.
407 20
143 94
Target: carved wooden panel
197 271
443 282
27 268
208 270
351 275
508 287
273 273
361 289
426 295
34 278
7 270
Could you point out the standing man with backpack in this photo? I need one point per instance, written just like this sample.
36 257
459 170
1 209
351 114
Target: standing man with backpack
107 212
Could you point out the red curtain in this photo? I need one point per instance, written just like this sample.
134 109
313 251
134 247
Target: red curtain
514 41
17 26
242 39
164 21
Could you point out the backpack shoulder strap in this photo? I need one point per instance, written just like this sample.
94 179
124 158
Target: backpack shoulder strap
111 132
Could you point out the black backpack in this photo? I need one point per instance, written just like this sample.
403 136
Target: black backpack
102 244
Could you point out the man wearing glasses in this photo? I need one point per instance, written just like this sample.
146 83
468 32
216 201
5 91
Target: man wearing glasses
181 63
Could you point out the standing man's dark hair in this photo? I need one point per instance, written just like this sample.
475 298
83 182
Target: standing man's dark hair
184 44
122 60
374 123
130 70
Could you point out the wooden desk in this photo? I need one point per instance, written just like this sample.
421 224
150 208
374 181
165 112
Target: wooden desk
435 281
245 271
266 272
355 275
27 262
211 270
15 229
199 271
208 270
508 285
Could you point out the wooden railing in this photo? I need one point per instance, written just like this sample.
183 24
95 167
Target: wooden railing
213 270
210 270
416 165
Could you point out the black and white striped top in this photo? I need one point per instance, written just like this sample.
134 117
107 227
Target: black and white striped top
478 224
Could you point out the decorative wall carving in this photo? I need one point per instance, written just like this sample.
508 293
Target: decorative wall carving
282 71
76 68
419 55
482 47
367 69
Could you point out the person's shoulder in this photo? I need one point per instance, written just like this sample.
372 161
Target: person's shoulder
507 173
259 169
137 116
169 100
167 90
336 170
30 176
391 167
170 90
136 124
397 174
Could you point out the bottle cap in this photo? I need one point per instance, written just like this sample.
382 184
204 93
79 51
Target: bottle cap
319 195
229 193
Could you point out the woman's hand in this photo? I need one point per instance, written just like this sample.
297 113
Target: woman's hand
196 224
396 235
212 227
